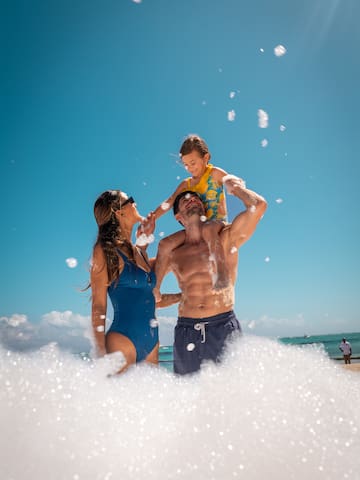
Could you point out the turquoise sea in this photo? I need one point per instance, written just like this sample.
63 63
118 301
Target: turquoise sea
330 343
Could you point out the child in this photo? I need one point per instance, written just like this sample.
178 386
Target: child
207 181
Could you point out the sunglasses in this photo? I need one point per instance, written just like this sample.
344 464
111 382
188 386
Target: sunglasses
128 200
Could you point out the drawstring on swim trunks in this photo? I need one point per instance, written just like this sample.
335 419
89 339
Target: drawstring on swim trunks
201 326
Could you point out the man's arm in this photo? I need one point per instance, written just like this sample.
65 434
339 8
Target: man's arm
244 224
168 299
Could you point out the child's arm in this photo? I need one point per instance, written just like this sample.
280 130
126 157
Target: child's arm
167 204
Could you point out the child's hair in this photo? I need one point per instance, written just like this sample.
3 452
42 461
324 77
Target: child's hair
194 142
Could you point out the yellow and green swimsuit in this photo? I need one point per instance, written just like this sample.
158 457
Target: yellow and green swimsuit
211 193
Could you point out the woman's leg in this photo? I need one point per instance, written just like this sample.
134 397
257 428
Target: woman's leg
116 342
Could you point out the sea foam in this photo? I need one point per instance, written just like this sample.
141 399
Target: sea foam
268 411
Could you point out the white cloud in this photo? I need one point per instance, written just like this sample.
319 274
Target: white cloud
71 331
15 320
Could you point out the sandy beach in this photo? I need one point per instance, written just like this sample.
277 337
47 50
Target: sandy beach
355 367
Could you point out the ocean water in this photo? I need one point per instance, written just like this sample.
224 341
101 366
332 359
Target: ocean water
270 410
329 344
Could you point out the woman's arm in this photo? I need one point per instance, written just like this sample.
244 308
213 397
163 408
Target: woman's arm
99 284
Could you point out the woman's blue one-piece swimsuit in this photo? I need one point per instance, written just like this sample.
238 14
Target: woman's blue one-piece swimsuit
134 307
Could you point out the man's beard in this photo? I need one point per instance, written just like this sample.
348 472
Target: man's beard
195 210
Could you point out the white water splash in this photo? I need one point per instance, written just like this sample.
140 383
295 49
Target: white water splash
71 262
231 115
231 182
144 239
268 411
263 118
165 206
279 50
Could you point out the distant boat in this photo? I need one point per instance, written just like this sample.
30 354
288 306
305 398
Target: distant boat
306 336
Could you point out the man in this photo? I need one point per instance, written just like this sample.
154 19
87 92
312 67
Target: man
206 318
345 347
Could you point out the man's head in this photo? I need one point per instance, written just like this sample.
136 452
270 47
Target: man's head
186 204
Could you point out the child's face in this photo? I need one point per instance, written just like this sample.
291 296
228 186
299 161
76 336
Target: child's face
194 163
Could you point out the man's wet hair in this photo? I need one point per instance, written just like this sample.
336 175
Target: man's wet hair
180 196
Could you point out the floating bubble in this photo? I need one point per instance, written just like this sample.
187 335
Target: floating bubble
251 324
71 262
154 323
263 118
232 94
282 128
165 206
161 234
279 50
203 103
203 218
231 115
267 259
187 196
100 328
264 143
252 209
279 200
190 347
262 50
233 250
178 177
102 317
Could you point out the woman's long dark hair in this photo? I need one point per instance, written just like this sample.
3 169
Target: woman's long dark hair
109 234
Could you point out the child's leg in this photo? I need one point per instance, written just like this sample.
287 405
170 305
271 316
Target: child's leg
210 234
166 246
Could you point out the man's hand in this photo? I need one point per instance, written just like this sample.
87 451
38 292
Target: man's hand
144 233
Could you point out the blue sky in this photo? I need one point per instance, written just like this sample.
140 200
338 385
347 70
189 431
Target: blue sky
98 95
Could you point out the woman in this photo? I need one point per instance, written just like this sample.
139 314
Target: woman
123 271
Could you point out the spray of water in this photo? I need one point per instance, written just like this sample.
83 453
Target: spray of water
268 411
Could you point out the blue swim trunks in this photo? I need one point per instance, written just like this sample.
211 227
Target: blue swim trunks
198 339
